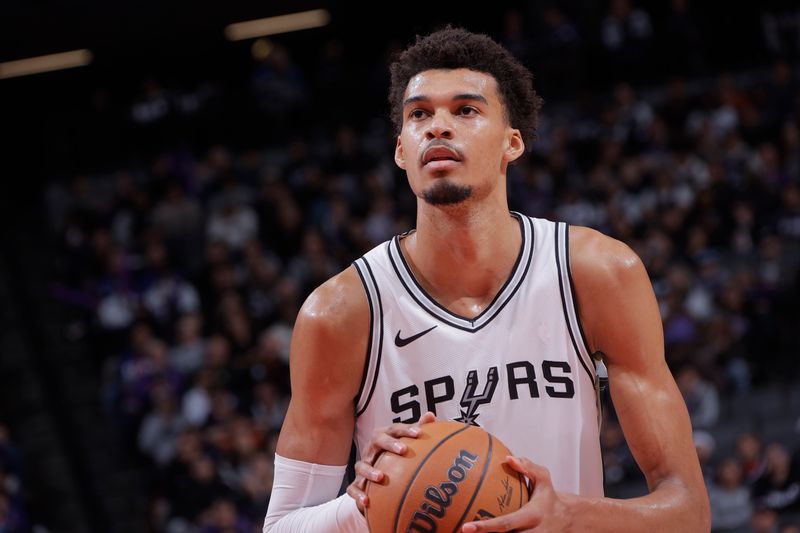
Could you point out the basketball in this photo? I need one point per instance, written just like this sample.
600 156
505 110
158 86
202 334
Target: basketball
451 474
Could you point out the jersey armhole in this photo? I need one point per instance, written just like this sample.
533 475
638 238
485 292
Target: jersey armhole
569 303
374 345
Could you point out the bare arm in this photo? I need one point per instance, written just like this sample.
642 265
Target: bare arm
620 317
329 343
328 350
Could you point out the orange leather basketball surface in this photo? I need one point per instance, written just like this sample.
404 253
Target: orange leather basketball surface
451 474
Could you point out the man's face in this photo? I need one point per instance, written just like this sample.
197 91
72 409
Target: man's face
456 141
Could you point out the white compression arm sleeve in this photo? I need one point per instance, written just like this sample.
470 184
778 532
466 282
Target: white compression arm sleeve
304 500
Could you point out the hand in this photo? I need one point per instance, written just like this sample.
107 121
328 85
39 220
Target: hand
383 440
545 512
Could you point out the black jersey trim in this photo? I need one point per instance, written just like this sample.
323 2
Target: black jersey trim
564 307
419 302
371 332
501 299
574 296
523 220
377 366
499 293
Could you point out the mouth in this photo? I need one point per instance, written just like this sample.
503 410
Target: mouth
440 156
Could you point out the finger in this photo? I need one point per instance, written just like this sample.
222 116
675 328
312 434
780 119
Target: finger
401 430
368 472
361 498
382 442
427 418
526 517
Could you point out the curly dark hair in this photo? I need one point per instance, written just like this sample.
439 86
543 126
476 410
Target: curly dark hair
452 48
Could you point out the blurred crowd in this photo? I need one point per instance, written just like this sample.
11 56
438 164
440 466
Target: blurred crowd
190 267
13 510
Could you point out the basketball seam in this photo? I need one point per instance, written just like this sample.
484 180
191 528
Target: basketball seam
417 471
478 487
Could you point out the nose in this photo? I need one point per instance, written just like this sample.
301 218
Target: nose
439 126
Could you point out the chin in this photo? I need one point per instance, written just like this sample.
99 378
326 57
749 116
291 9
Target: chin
446 192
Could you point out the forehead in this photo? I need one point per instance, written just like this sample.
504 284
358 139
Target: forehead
445 83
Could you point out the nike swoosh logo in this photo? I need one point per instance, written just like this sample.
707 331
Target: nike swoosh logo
399 341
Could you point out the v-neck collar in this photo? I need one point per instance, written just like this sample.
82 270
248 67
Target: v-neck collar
503 296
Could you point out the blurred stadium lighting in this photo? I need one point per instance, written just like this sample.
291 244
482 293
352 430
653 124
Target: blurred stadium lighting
48 63
281 24
261 49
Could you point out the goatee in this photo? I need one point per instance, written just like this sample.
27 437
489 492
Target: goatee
444 192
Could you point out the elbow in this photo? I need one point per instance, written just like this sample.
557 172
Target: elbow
690 510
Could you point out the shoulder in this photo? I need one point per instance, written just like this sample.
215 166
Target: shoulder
600 260
337 306
328 354
337 301
615 298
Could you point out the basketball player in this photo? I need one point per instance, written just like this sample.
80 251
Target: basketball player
484 316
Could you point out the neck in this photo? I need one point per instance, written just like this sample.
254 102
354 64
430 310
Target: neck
462 255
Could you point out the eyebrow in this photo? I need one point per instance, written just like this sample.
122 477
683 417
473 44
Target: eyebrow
462 96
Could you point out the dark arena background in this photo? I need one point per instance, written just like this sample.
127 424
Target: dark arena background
170 200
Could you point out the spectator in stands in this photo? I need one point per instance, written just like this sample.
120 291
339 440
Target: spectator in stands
278 84
13 515
257 485
558 53
158 436
702 398
269 406
188 353
178 479
232 223
705 445
196 403
202 488
778 488
166 294
627 33
764 520
731 507
224 517
176 216
749 454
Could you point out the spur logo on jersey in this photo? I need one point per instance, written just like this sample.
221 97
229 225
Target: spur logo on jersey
470 400
521 381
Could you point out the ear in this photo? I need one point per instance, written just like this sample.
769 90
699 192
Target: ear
399 154
515 146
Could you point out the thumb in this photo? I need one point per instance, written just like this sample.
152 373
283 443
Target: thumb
538 475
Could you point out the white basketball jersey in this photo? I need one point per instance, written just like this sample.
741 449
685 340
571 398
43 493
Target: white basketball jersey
521 369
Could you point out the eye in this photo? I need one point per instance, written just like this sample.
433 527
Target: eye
468 110
417 114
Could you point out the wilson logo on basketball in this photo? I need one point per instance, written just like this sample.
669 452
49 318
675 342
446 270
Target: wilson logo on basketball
440 497
450 473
